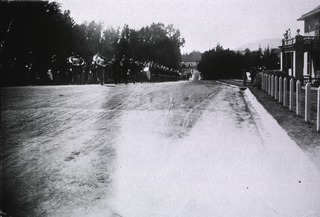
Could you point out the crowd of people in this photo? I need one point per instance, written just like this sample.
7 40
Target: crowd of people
101 71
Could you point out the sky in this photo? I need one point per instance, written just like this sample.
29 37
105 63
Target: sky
203 23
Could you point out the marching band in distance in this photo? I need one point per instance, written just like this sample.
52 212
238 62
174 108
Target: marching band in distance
102 71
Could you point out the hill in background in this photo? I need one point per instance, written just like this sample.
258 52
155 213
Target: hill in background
264 43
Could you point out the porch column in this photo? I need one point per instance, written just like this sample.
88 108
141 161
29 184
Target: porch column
281 61
305 63
293 64
298 64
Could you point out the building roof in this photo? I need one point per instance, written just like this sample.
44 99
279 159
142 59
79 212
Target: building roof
190 64
310 13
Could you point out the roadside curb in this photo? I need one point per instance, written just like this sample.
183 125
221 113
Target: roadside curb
227 84
251 100
308 140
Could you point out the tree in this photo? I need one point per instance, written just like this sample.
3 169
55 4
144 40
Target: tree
223 64
32 26
87 39
161 44
124 41
109 42
271 58
219 63
194 56
41 28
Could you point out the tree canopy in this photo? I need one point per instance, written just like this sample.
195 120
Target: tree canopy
194 56
220 63
42 28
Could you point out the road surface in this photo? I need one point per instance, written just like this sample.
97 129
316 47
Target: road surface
165 149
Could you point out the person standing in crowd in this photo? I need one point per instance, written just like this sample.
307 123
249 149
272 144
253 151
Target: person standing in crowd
100 64
115 68
157 72
55 69
76 66
135 68
132 71
31 71
124 68
69 70
94 70
92 73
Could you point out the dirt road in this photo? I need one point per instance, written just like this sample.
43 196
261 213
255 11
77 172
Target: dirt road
166 149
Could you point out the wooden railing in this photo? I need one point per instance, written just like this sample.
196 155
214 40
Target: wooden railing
289 41
299 39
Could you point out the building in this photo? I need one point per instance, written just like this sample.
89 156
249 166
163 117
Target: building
300 55
188 69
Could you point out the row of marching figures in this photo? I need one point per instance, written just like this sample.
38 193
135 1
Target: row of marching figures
31 69
116 70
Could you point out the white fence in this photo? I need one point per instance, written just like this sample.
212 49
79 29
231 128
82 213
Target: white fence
278 88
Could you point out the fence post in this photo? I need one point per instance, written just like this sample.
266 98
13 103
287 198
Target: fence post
280 89
307 103
267 80
298 98
272 85
291 94
276 88
262 81
285 90
269 85
318 110
265 83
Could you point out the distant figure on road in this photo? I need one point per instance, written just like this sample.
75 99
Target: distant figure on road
253 74
244 75
195 76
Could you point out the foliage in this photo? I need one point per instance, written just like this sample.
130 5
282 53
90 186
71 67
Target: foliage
271 58
109 41
38 27
219 63
215 64
41 28
194 56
